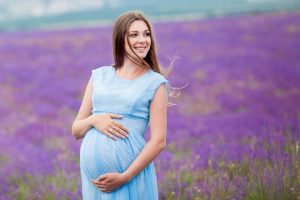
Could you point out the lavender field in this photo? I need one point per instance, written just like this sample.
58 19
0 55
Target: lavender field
234 133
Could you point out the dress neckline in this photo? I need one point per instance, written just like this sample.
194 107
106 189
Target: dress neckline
128 80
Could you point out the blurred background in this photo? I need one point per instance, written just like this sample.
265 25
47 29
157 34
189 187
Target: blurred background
234 132
16 14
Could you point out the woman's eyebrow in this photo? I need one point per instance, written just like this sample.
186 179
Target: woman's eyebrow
138 31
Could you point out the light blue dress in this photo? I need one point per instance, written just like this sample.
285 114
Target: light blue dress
99 154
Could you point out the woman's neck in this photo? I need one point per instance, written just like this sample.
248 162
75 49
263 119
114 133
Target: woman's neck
130 69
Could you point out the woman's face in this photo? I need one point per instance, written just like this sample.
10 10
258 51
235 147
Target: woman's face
139 38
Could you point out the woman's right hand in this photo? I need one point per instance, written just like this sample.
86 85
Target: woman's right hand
109 127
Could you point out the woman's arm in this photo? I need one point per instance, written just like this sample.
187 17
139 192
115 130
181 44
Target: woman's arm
104 122
84 120
158 133
157 142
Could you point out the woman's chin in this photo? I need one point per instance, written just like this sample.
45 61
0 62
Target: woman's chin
141 55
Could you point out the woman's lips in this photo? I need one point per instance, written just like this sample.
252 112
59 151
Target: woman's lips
140 48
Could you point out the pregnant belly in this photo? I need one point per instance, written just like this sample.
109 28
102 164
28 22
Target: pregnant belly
99 154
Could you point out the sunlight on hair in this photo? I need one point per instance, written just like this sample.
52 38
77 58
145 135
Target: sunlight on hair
175 92
165 71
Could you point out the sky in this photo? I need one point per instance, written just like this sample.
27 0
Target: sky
35 8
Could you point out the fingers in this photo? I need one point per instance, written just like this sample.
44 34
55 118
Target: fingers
106 132
102 178
115 131
112 133
119 131
118 134
116 116
120 127
98 184
101 184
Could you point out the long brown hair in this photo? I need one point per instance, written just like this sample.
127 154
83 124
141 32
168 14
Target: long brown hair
120 31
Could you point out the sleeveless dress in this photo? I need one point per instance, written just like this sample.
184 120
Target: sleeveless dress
99 154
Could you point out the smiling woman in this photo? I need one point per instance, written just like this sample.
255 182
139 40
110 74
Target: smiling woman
139 38
119 103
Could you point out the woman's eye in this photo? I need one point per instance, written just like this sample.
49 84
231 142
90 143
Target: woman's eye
148 34
133 35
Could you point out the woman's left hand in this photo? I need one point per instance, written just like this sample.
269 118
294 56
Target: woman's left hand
110 181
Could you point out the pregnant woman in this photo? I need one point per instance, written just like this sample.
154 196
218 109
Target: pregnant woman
119 103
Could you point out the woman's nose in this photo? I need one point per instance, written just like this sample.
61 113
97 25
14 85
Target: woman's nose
142 39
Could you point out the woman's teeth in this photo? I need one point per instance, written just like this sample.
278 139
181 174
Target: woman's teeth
140 48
